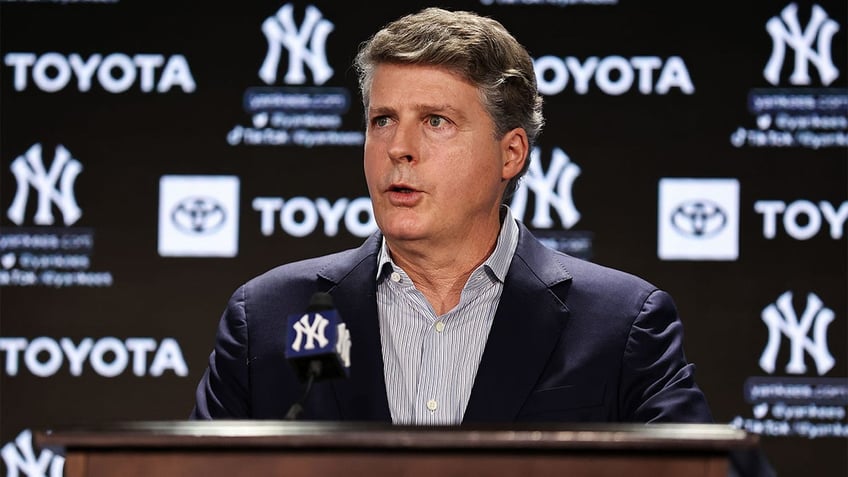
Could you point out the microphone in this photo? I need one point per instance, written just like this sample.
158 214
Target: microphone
318 345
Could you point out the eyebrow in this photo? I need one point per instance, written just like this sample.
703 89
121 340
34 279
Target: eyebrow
421 108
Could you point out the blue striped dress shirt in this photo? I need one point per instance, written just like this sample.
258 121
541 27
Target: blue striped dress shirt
430 361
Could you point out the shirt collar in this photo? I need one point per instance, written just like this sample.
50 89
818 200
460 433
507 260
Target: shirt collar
497 263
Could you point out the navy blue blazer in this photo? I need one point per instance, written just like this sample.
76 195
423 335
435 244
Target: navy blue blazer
571 341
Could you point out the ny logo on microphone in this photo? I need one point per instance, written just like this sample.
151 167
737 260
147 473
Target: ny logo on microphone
343 345
318 343
313 332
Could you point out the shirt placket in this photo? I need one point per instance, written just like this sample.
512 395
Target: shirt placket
430 405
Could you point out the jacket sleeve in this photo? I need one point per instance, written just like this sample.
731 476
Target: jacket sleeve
223 391
658 384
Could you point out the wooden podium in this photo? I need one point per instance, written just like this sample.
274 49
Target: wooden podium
272 448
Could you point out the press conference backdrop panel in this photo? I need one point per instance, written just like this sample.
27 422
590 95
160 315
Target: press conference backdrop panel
155 155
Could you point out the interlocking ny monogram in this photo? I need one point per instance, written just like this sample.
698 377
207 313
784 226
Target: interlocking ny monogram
280 30
20 457
313 332
552 190
55 186
789 33
781 319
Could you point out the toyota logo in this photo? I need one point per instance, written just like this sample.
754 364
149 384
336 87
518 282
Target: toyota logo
699 218
198 215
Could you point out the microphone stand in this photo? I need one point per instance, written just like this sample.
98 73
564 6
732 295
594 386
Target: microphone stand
312 373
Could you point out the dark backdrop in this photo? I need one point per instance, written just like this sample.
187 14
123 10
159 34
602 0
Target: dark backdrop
147 169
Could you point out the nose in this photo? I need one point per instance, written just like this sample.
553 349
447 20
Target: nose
403 143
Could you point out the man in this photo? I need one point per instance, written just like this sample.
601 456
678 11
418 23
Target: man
456 312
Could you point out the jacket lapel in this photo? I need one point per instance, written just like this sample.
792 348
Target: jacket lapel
361 397
525 330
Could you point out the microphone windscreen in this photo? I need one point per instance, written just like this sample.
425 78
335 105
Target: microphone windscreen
318 341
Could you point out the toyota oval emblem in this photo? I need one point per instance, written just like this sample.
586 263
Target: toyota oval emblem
699 218
198 215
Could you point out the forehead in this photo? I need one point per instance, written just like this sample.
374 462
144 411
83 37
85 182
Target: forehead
392 82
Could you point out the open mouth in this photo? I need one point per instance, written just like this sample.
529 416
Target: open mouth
402 195
401 189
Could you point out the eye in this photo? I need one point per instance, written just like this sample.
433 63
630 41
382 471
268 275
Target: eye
436 121
380 121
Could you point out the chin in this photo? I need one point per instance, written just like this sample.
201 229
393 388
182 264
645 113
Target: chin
401 229
401 234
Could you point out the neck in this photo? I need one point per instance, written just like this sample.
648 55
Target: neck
440 271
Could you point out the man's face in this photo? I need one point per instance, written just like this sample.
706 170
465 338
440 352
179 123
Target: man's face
434 168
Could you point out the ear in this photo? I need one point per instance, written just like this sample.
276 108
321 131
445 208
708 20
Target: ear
514 149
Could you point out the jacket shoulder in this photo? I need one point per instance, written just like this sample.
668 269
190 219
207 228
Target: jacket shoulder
552 267
304 277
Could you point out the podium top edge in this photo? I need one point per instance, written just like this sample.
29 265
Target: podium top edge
324 434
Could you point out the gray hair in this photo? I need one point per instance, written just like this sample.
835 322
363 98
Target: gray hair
478 49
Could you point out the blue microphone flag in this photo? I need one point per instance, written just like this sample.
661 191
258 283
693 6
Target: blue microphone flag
319 335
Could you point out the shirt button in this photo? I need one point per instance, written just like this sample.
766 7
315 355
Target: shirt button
440 326
395 277
432 405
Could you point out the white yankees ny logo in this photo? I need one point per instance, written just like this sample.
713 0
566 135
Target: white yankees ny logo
781 318
552 190
29 171
280 30
20 457
801 42
313 332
